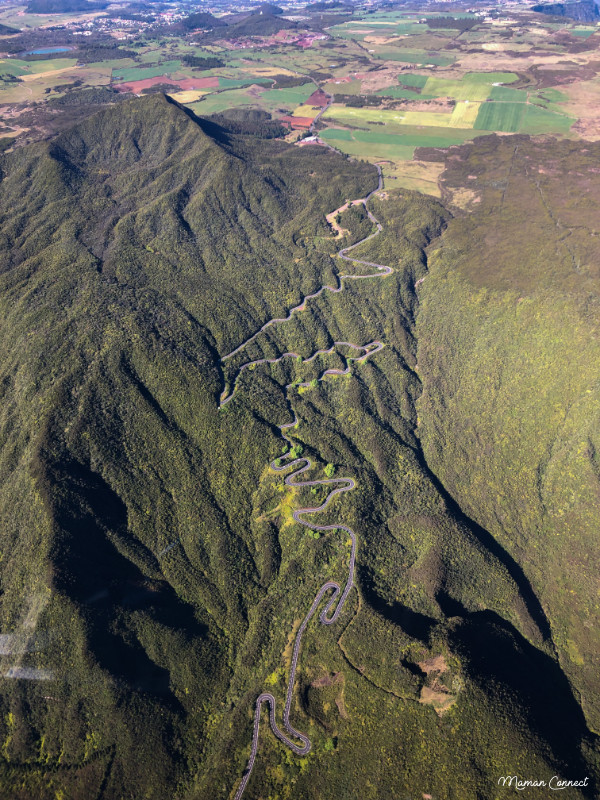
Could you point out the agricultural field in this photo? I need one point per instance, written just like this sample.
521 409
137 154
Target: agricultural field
504 117
396 79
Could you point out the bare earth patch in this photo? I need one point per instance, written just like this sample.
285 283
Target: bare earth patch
380 79
463 198
434 664
331 219
436 694
437 106
584 103
439 698
328 680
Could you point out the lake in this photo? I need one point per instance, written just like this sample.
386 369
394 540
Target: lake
43 50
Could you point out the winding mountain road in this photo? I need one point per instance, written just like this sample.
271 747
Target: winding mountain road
369 349
331 610
383 271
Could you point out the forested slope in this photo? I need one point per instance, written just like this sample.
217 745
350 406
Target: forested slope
152 576
510 407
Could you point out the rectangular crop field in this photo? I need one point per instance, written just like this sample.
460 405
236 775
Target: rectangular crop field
464 114
409 137
305 111
338 134
357 116
375 137
539 120
506 94
491 77
427 118
287 98
397 122
374 151
505 117
458 90
141 73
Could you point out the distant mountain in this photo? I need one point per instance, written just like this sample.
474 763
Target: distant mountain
201 20
330 5
64 6
259 23
197 21
584 11
268 8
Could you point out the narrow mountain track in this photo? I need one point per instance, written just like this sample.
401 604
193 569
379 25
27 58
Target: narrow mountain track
336 595
383 271
368 350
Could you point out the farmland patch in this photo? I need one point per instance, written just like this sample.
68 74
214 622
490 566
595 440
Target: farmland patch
503 117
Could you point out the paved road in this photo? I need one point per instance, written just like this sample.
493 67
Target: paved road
368 350
383 271
337 597
322 111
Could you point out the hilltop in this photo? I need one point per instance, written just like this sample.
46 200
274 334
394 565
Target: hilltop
585 11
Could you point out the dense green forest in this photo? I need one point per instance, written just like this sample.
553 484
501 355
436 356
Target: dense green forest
152 575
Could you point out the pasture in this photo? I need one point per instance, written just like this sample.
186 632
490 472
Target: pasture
491 77
502 117
409 137
305 111
397 92
412 57
539 120
413 79
374 151
427 118
506 94
131 74
456 89
464 115
358 116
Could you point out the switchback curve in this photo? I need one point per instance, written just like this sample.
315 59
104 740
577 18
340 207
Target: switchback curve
329 614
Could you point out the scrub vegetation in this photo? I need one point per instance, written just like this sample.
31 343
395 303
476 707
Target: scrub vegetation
150 562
